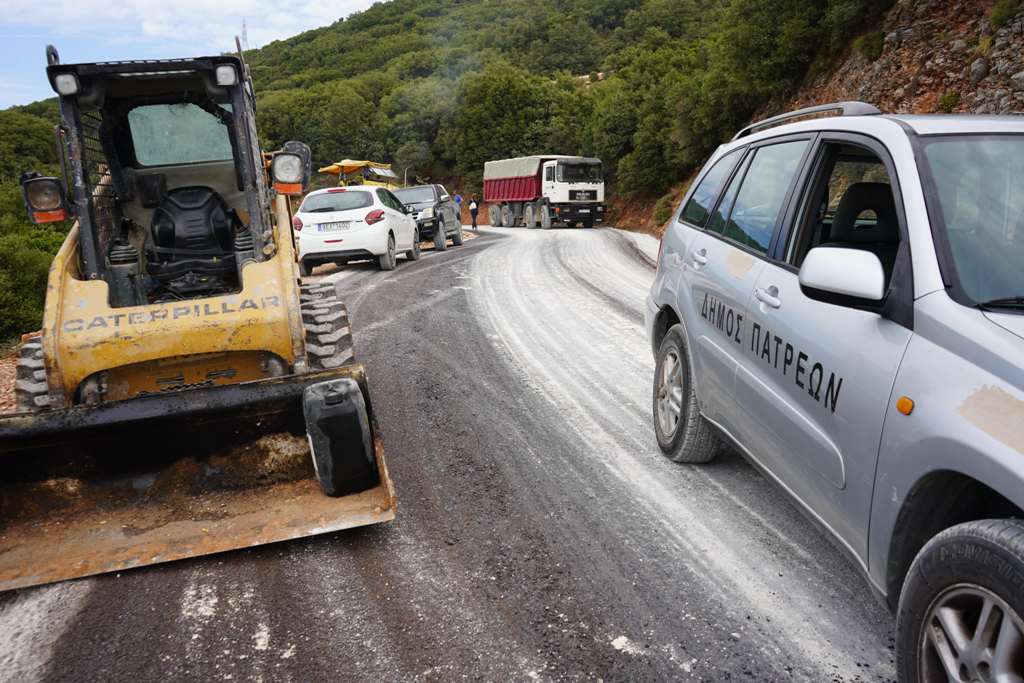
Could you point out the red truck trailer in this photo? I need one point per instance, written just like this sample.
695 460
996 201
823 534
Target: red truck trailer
544 190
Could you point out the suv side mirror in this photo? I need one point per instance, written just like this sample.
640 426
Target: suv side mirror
44 198
836 274
445 197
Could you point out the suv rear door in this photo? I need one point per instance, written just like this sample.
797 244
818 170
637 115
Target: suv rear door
816 377
723 263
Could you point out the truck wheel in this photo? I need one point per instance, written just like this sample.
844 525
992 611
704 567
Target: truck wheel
440 239
530 216
959 616
588 224
494 214
507 217
545 217
304 269
683 434
326 327
388 259
30 391
414 253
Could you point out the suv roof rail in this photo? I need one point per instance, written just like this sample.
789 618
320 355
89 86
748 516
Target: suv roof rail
844 109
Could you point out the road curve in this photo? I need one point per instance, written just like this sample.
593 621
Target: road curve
541 535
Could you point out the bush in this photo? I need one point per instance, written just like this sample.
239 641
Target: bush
949 101
870 45
1003 11
663 209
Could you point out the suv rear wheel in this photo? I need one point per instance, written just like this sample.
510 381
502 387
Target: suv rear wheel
683 434
960 610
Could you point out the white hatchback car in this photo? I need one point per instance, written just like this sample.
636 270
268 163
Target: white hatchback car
342 224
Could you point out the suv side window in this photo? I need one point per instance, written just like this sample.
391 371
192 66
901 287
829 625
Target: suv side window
440 191
761 196
703 198
853 178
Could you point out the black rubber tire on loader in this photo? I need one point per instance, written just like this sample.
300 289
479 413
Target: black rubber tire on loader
326 327
30 391
440 239
329 345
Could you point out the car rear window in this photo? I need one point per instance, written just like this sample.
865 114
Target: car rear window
336 201
703 198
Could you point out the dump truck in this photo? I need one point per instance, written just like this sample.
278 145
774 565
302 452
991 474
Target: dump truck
186 394
544 191
360 172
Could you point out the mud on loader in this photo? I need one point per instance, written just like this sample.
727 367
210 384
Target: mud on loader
183 376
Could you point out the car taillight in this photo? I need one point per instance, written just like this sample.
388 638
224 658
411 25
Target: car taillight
374 217
297 223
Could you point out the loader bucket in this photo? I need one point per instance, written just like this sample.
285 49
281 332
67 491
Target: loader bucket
85 491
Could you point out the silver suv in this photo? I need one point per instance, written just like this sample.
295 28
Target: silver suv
841 299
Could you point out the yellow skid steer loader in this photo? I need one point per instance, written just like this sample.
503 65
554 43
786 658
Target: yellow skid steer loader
186 394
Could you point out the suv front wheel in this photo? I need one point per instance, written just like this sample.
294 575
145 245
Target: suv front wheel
960 610
683 434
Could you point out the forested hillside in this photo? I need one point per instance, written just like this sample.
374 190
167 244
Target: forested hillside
440 86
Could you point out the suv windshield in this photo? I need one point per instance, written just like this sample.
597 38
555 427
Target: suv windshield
168 134
979 202
415 195
579 173
336 201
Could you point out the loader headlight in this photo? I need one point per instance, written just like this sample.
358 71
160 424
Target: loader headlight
65 84
226 75
44 198
287 168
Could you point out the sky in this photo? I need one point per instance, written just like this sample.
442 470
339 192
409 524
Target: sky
113 30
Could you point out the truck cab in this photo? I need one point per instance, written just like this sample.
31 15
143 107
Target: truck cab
573 190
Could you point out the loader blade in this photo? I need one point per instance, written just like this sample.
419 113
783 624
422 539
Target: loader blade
87 495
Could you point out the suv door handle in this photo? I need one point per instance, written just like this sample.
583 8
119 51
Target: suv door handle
700 257
769 297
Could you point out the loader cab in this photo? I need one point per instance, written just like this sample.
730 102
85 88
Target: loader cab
164 175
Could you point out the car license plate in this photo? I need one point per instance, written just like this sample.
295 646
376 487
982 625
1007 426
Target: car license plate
584 210
333 227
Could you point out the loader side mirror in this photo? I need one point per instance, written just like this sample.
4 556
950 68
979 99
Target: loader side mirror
291 168
44 198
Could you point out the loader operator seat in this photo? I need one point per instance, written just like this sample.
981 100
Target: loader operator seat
883 238
192 232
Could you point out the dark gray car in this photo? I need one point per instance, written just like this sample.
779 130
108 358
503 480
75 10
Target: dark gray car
842 301
435 213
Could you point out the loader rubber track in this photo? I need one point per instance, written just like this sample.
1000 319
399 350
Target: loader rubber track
30 390
327 329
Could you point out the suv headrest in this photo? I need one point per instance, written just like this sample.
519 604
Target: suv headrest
857 199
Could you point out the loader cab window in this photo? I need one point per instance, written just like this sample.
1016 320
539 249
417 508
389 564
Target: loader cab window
172 134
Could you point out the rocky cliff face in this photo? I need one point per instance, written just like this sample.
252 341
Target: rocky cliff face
936 56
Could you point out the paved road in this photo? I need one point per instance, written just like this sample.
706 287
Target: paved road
540 535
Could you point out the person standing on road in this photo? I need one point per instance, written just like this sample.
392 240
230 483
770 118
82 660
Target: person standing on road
474 208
